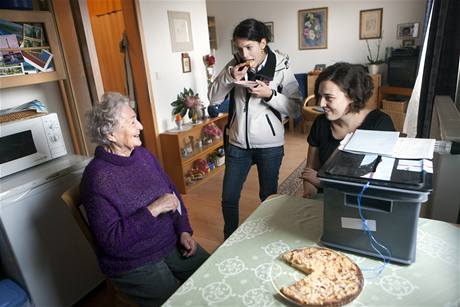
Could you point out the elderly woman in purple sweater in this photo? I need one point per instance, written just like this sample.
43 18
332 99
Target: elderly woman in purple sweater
140 225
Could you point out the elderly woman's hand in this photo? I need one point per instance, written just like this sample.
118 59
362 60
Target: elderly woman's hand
188 244
167 202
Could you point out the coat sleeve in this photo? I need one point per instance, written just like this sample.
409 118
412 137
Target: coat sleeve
288 102
222 85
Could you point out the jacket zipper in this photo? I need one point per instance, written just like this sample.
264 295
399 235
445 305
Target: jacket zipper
270 123
248 96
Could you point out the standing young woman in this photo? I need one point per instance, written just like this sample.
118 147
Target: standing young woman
255 128
343 90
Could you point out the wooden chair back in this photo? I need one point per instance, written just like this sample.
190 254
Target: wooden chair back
71 198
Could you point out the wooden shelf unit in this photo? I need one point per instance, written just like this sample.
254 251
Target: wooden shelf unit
176 165
49 29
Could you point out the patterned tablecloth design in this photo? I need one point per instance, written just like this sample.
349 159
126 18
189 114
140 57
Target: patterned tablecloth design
246 268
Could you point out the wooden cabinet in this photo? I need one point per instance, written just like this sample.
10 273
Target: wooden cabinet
51 41
177 165
374 101
395 108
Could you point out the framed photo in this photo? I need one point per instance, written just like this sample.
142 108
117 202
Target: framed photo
370 24
234 47
180 30
320 67
270 27
408 43
186 64
407 30
313 28
212 32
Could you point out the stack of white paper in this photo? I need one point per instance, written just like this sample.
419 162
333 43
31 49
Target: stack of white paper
387 143
372 141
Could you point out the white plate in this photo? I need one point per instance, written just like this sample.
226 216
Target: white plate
246 83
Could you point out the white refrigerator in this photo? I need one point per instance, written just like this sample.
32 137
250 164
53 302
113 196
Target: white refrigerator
41 246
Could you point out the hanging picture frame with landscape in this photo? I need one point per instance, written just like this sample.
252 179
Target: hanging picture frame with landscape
312 28
370 24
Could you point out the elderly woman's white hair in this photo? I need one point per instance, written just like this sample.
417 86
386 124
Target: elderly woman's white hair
103 118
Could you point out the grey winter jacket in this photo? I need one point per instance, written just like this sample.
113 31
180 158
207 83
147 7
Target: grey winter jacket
259 125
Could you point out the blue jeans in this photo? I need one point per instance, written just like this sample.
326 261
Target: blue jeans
238 162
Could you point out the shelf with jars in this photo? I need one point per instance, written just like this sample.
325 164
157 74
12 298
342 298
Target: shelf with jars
181 148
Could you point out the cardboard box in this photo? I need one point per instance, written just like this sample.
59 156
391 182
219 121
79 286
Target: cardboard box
394 105
397 117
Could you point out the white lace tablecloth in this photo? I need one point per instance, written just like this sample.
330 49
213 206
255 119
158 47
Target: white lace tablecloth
244 269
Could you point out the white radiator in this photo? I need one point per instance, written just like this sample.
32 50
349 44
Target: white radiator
444 204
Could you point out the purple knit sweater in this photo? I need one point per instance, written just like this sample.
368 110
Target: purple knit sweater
115 192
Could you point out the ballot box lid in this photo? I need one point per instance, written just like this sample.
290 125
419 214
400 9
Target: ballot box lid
346 167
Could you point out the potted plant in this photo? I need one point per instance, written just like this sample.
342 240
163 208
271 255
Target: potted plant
187 101
374 63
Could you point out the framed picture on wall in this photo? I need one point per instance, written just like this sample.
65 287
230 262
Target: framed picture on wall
313 28
407 30
180 30
186 64
271 27
370 24
233 46
408 43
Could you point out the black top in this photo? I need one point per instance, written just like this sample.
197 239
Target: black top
321 135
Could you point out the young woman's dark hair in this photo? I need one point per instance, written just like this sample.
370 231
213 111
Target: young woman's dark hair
252 30
353 80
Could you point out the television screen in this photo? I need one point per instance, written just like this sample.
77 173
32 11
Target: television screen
402 70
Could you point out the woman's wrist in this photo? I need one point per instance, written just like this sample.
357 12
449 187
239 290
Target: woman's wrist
271 96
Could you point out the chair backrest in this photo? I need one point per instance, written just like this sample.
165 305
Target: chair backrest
310 101
71 197
309 110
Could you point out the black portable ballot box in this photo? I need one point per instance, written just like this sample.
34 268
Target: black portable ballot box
391 208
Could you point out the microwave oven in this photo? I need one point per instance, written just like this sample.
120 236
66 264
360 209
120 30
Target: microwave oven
29 142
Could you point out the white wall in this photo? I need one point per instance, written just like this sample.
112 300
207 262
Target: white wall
343 27
165 66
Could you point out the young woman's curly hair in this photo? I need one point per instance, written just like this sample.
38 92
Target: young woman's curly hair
352 79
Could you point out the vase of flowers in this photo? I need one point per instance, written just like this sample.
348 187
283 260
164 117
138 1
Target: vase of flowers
187 102
209 61
374 63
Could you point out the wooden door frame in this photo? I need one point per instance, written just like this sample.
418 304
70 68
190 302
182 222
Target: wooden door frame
80 91
142 85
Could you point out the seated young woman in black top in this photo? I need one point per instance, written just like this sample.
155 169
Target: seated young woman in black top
342 90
